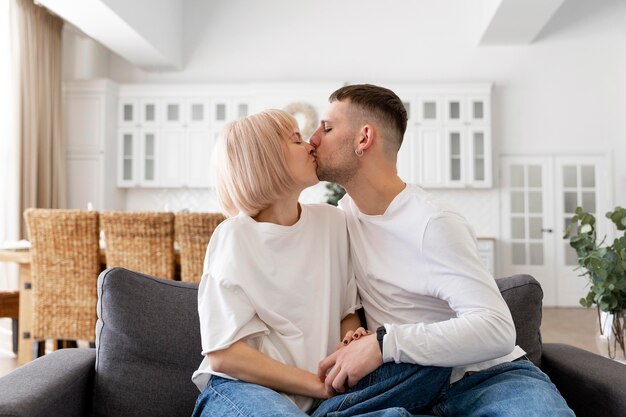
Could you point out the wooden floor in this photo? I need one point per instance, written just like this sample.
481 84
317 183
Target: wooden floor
574 326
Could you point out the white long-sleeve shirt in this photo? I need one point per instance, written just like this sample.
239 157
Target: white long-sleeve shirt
282 289
419 275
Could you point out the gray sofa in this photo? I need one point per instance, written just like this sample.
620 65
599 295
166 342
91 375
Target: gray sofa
148 345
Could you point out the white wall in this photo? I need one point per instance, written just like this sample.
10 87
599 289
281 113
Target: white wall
565 93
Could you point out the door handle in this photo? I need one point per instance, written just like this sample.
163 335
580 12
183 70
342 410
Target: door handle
547 230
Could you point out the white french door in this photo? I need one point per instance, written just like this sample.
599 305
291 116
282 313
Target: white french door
538 197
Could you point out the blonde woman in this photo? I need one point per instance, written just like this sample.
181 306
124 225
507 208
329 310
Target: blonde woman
278 291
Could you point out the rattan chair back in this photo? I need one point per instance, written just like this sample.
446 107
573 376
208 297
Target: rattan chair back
140 241
193 232
65 266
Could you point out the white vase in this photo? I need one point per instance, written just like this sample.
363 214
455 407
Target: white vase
605 339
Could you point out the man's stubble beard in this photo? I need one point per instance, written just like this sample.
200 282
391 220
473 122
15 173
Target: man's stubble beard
341 167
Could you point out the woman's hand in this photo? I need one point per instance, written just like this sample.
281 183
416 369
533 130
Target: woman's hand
352 335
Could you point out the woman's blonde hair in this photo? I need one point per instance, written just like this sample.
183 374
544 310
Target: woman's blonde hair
249 160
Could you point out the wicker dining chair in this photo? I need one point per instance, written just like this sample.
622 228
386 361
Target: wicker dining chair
140 241
193 232
65 267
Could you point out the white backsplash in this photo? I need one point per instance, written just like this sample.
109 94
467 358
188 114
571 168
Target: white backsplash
479 207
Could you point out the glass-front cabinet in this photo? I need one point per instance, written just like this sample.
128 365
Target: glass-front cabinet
448 139
167 141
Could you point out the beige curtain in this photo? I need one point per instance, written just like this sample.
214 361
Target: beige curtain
43 181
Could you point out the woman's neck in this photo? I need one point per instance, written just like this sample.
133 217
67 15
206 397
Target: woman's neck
284 212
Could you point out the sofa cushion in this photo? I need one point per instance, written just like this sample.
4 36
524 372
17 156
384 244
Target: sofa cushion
147 346
524 296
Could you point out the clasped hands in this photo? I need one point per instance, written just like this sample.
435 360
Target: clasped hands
357 355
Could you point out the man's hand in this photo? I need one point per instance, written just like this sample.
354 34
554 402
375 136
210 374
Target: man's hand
350 336
349 364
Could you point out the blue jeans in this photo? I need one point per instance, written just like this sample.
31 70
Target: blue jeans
391 390
387 392
512 389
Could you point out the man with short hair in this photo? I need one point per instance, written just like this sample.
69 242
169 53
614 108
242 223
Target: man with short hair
423 287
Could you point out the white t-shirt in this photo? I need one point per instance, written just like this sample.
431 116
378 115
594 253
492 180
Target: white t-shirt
419 274
282 289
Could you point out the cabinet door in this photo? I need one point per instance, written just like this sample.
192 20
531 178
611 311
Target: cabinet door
454 111
173 112
149 109
479 157
241 109
148 152
173 149
201 142
478 110
197 112
455 156
127 156
430 154
221 110
429 111
127 115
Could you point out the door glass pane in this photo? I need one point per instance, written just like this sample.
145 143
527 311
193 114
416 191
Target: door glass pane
220 112
518 228
517 176
150 112
517 202
455 110
455 144
149 169
535 204
479 169
172 112
149 144
128 169
570 201
197 112
571 258
128 144
588 176
128 112
477 109
589 201
518 253
534 175
536 253
535 224
242 110
455 169
569 176
430 110
479 144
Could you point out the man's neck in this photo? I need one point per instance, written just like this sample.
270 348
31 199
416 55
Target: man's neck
373 194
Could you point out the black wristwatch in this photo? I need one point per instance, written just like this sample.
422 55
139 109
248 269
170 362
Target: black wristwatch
380 334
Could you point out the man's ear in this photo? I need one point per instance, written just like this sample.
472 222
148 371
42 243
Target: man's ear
366 137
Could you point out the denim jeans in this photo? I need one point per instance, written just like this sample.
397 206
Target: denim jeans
227 397
512 389
391 390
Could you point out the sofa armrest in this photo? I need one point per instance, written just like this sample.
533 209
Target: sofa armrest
592 385
57 384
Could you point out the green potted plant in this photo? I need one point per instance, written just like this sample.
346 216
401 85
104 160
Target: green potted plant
334 193
605 266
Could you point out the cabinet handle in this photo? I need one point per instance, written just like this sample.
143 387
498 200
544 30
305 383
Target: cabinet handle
547 230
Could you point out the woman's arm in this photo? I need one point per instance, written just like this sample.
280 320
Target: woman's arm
244 362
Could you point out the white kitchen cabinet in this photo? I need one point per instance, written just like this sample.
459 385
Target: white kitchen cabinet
486 253
91 117
448 138
167 140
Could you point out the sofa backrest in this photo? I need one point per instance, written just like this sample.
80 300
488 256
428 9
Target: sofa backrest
524 296
147 346
148 340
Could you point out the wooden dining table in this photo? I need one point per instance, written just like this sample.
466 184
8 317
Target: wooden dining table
23 258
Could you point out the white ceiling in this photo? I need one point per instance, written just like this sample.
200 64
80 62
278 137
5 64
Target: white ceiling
149 33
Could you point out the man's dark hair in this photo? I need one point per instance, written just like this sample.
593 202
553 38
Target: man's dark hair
380 102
